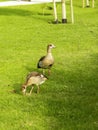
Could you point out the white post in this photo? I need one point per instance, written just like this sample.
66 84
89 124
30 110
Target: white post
64 19
83 3
71 8
93 2
55 12
87 3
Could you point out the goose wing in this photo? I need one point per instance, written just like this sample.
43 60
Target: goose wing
40 62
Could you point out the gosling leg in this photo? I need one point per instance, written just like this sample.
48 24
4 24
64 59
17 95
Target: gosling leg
31 90
38 89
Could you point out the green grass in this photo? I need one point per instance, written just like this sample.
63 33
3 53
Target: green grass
69 99
4 0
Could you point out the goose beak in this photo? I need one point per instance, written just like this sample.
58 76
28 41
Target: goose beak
53 46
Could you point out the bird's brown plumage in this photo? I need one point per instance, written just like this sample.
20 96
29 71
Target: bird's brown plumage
47 61
34 78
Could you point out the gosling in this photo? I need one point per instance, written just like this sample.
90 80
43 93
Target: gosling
34 78
46 62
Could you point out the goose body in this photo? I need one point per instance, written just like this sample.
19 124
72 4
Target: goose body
34 78
47 61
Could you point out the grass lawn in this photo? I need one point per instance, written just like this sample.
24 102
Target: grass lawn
4 0
69 99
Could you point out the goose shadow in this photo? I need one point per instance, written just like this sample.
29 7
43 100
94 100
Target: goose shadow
30 69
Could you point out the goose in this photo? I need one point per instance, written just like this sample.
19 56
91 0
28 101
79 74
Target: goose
34 78
46 62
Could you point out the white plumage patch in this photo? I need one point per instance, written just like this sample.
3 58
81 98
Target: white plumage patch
41 76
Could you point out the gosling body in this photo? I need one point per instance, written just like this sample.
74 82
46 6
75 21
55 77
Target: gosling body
34 78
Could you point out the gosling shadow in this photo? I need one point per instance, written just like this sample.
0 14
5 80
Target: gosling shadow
17 88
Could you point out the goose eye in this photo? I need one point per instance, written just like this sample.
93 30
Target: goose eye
51 46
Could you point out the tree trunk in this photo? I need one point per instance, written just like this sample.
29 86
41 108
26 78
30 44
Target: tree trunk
55 12
71 10
83 3
64 19
87 3
93 2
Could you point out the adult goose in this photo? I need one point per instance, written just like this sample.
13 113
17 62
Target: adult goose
34 78
46 62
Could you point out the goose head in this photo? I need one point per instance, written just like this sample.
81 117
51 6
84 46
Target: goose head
49 47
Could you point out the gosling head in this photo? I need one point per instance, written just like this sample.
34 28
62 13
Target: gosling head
23 89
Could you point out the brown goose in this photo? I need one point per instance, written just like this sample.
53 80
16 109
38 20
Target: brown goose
47 61
34 78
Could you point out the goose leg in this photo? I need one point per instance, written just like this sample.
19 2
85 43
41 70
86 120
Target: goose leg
49 71
43 71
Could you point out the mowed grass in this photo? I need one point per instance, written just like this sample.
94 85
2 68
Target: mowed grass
68 100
